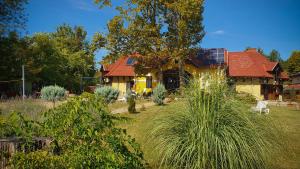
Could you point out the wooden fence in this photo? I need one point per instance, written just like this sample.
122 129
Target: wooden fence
9 146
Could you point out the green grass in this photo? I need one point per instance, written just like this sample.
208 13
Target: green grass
288 119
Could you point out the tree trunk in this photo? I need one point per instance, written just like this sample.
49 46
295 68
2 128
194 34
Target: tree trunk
160 75
181 74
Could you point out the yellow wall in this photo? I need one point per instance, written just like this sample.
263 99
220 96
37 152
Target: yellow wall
251 86
120 84
140 83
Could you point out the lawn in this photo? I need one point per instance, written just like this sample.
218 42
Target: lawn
287 119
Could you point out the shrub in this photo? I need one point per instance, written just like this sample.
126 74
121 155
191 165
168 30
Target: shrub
215 131
131 105
83 135
246 97
53 93
159 94
131 101
108 93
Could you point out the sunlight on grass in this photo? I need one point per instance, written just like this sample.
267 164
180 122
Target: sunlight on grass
122 104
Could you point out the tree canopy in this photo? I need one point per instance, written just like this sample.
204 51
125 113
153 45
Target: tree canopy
157 30
293 63
61 57
12 16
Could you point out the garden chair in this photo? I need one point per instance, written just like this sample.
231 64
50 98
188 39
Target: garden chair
262 107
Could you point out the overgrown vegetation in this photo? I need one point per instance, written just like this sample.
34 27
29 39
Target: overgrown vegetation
159 94
215 131
83 135
108 93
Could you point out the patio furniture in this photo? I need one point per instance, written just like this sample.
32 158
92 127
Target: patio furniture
261 107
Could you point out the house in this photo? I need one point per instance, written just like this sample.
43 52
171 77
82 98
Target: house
249 72
121 74
296 78
294 87
253 73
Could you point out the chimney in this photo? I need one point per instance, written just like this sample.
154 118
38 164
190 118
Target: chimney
251 50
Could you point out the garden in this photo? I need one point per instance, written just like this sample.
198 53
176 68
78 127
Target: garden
209 127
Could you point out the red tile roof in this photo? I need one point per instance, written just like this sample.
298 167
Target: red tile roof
250 63
293 86
120 68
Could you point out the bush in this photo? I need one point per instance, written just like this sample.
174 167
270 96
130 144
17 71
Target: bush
108 93
130 98
159 94
131 105
53 93
246 97
215 131
83 135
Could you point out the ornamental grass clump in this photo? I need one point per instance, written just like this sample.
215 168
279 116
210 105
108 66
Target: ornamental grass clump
159 94
53 93
215 132
108 93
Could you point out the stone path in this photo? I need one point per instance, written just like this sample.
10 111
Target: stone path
124 109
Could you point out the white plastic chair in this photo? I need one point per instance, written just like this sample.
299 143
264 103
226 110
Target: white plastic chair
262 107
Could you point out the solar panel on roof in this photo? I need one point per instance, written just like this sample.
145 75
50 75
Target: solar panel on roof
130 61
213 56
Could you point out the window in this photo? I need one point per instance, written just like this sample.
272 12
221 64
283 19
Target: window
130 61
149 82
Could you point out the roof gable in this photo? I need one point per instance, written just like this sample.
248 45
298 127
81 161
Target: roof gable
121 68
250 63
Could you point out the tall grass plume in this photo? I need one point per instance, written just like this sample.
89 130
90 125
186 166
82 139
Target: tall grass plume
216 131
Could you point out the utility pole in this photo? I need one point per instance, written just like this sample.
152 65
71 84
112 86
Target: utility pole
23 79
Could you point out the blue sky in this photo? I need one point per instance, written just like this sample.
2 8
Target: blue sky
232 24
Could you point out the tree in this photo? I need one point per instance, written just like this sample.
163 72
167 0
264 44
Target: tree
73 47
147 37
12 17
61 57
13 51
293 63
158 31
185 29
117 40
261 51
274 56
